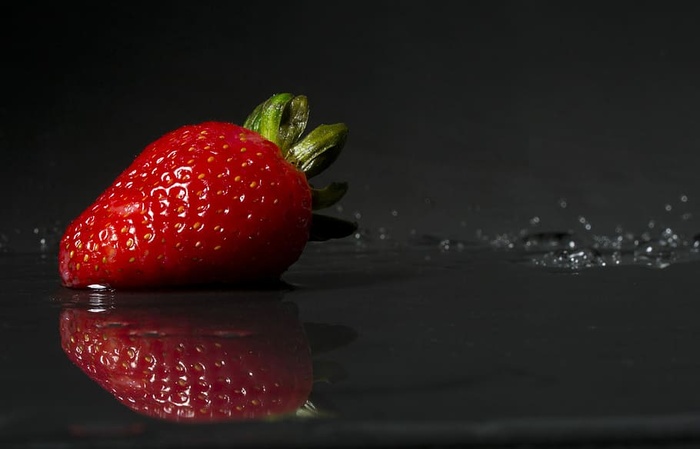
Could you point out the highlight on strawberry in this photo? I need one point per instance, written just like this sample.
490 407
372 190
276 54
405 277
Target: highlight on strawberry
214 203
232 360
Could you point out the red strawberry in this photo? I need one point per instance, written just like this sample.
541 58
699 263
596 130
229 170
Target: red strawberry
213 203
231 360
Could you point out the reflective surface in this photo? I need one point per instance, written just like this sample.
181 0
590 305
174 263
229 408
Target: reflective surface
202 361
410 342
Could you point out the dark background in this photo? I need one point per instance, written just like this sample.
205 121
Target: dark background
477 115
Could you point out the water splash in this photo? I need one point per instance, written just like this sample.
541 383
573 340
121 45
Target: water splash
658 247
584 245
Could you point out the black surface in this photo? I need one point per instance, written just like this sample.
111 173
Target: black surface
526 358
467 126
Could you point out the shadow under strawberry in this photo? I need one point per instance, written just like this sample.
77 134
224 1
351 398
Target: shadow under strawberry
234 359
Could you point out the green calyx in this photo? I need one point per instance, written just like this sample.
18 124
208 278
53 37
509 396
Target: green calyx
282 119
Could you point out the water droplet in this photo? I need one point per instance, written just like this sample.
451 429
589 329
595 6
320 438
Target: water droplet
534 221
616 258
668 208
684 198
669 235
394 213
362 237
357 215
502 241
655 254
570 259
543 241
585 223
566 250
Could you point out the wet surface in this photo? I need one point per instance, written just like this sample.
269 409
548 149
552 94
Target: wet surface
411 342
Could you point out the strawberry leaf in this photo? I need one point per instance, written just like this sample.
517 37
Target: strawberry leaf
293 122
319 149
329 195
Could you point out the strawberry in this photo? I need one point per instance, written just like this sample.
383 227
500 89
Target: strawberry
231 360
211 203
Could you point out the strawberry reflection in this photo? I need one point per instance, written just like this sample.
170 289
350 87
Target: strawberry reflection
191 358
